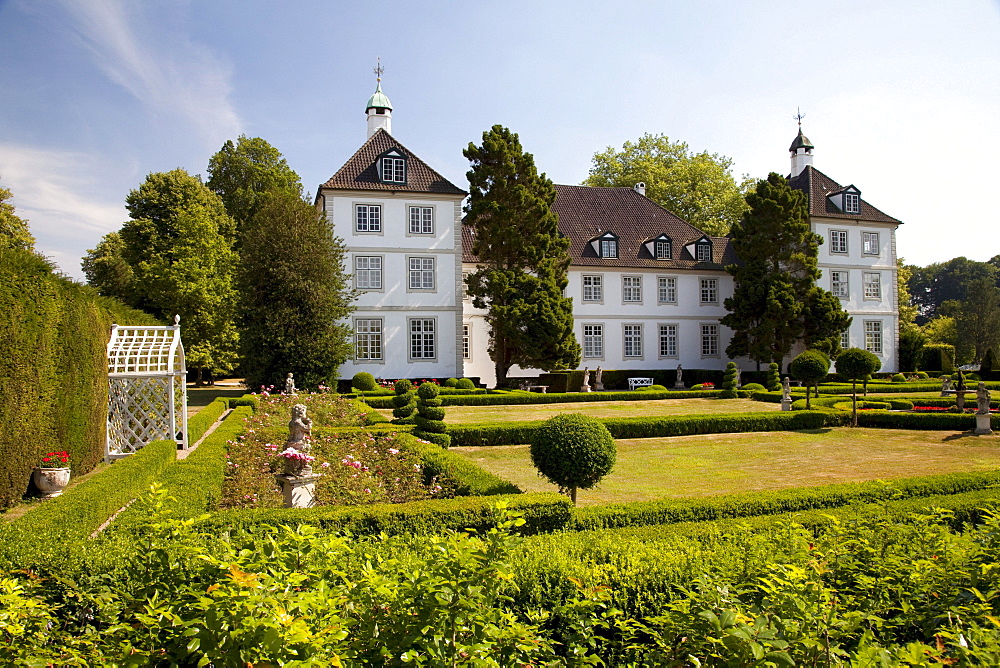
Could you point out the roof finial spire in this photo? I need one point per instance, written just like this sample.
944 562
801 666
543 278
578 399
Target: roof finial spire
799 116
378 70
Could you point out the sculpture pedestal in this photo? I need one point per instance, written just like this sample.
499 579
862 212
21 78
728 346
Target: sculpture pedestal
786 404
679 386
299 491
585 388
983 425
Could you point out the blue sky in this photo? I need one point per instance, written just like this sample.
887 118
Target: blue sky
901 99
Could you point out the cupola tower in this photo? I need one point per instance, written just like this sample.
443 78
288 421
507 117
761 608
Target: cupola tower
379 109
801 150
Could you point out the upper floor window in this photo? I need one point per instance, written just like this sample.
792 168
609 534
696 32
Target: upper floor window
368 272
869 242
873 336
845 339
709 291
666 292
852 203
609 248
631 289
421 220
593 288
663 250
838 241
873 285
392 167
368 217
368 339
421 273
703 252
838 284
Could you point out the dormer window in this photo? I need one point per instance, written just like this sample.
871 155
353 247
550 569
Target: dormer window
847 199
392 167
609 248
703 252
852 203
663 251
661 247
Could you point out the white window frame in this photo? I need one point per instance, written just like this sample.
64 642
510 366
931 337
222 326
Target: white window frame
852 203
422 339
393 169
873 336
668 340
631 289
593 340
595 289
869 243
424 220
840 285
709 339
663 250
703 252
466 341
708 290
371 224
838 242
421 268
666 289
845 339
632 341
368 340
609 248
368 277
872 281
466 297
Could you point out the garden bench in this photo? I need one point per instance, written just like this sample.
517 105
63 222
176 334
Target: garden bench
633 383
543 389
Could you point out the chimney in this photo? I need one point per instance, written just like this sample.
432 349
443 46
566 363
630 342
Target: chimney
640 188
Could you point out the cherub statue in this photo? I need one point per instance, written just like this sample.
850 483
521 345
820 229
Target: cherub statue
297 447
786 389
982 399
290 385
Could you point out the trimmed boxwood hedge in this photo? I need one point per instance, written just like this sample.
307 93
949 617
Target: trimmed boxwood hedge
929 421
455 471
542 513
199 423
526 398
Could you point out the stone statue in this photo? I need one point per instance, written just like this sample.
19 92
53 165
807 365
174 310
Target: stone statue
945 384
786 389
599 379
961 382
297 447
739 377
982 399
680 375
586 380
290 385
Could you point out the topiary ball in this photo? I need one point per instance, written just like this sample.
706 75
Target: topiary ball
573 451
402 386
364 381
898 378
465 384
451 382
754 387
428 390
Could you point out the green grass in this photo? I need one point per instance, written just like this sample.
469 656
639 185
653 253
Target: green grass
657 468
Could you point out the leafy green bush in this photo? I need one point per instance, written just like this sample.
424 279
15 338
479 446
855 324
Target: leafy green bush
754 387
364 381
404 403
430 416
729 382
653 388
573 451
465 384
503 398
454 472
451 382
898 378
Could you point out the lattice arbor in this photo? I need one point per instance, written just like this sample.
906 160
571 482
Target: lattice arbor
147 395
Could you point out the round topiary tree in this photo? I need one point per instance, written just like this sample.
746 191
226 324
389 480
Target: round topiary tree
430 416
857 364
404 403
773 378
573 451
810 367
729 382
364 381
465 384
451 382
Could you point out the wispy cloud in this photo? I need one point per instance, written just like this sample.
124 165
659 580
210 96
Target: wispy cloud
55 191
167 73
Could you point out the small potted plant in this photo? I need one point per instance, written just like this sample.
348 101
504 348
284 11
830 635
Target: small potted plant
52 475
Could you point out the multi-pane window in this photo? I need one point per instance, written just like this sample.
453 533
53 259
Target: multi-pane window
422 339
466 341
852 203
632 340
838 241
631 288
368 217
873 336
368 339
609 248
368 272
421 273
668 340
709 291
663 250
593 288
464 286
593 340
873 285
845 339
666 290
421 220
703 252
869 243
838 284
394 170
709 340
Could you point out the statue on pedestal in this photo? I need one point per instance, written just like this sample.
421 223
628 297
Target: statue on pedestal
982 399
786 389
679 382
297 447
945 385
599 380
290 385
586 377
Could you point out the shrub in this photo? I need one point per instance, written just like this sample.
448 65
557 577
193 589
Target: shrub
729 382
938 357
573 451
404 403
753 387
465 384
773 378
898 378
451 382
857 364
430 416
922 375
653 388
364 381
454 472
810 367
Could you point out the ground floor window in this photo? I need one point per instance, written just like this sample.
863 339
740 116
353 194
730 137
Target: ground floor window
593 340
668 340
466 341
873 336
709 340
423 342
633 340
368 339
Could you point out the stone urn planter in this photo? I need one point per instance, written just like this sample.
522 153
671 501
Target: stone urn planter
51 482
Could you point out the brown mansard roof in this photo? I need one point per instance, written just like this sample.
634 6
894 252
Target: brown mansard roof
586 213
817 186
361 171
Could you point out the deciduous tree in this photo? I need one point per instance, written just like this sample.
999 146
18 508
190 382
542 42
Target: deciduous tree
698 187
522 259
573 451
14 232
978 319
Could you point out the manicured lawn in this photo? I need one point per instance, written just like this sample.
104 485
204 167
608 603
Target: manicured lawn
473 414
724 463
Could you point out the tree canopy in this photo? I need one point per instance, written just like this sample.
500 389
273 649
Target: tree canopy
522 259
857 364
776 301
698 187
241 174
937 283
294 294
977 321
14 232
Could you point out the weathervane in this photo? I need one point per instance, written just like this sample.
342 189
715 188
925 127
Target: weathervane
799 116
379 70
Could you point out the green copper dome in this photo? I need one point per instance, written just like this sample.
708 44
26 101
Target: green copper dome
800 141
379 100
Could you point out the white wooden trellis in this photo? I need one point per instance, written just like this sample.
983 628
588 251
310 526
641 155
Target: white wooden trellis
147 391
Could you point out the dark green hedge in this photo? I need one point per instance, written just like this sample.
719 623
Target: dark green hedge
455 471
542 513
53 374
617 379
930 421
513 433
526 398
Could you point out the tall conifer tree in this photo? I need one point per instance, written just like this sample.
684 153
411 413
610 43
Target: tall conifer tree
522 258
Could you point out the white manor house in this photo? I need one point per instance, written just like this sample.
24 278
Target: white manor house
647 287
